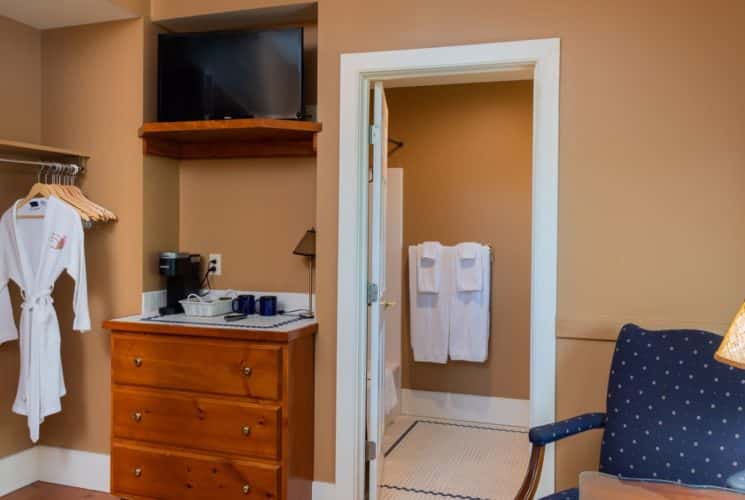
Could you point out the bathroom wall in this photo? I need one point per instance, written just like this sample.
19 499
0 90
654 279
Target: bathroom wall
468 160
20 120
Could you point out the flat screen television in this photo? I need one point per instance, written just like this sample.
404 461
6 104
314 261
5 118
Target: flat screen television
230 74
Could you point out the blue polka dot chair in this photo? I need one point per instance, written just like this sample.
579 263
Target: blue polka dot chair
673 413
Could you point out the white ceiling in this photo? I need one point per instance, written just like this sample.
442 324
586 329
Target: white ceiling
46 14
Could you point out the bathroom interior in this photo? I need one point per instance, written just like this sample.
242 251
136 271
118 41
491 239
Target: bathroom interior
453 426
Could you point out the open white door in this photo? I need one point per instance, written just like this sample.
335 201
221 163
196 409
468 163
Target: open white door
376 333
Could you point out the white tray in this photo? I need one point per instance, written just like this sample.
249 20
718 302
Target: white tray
205 307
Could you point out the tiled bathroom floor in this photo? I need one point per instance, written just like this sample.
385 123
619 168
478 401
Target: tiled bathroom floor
428 459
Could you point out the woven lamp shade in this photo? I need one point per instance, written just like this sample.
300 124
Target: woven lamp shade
732 349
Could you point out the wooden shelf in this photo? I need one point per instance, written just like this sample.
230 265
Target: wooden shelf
245 138
28 151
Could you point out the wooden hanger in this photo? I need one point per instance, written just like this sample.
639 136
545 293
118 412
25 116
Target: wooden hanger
44 190
62 187
76 198
97 212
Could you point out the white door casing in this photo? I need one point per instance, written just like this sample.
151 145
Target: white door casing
358 70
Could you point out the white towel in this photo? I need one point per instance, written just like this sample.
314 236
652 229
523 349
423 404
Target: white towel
429 313
468 271
429 267
469 318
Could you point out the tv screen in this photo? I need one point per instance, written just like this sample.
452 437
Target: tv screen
236 74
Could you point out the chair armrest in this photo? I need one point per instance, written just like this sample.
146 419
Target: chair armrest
545 434
550 433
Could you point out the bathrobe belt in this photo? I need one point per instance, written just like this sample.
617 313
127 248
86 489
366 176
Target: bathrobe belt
41 301
43 298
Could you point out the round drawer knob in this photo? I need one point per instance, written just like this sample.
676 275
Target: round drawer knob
137 416
246 430
246 489
246 371
137 362
137 472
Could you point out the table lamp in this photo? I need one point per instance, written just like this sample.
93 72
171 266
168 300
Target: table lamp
732 349
307 248
732 352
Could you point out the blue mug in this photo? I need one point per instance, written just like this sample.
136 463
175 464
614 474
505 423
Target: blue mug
267 305
244 304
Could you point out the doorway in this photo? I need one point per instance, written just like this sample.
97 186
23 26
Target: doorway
360 72
456 374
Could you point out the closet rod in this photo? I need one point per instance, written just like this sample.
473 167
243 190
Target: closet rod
41 163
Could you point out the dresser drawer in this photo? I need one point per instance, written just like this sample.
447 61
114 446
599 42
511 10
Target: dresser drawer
196 421
214 366
143 471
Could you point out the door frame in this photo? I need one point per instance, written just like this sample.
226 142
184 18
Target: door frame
358 70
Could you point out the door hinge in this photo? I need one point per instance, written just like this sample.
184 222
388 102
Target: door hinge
374 134
371 451
372 293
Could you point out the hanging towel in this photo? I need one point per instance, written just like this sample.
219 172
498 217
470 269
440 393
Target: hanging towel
468 269
469 317
429 313
429 267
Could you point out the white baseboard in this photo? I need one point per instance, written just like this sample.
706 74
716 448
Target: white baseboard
324 491
488 410
80 469
18 470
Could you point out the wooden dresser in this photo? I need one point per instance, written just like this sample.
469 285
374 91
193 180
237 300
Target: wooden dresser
211 413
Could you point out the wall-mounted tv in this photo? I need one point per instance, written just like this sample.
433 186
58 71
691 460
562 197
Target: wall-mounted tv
231 74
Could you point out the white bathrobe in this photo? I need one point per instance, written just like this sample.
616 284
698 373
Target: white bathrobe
33 253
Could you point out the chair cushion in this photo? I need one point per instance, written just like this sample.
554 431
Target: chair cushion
673 412
571 494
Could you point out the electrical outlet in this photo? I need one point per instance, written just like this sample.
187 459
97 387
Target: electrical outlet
216 260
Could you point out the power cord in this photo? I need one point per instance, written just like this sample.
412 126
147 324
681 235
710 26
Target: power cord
211 268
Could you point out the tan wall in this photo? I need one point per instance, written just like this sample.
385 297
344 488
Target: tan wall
20 85
582 368
253 212
651 161
160 215
467 163
92 102
651 157
20 120
160 177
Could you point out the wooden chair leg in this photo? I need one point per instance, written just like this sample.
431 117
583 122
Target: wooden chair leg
530 483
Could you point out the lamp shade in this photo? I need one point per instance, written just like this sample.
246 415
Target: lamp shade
307 245
732 349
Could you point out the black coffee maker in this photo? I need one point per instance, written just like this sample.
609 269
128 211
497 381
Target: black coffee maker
182 273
